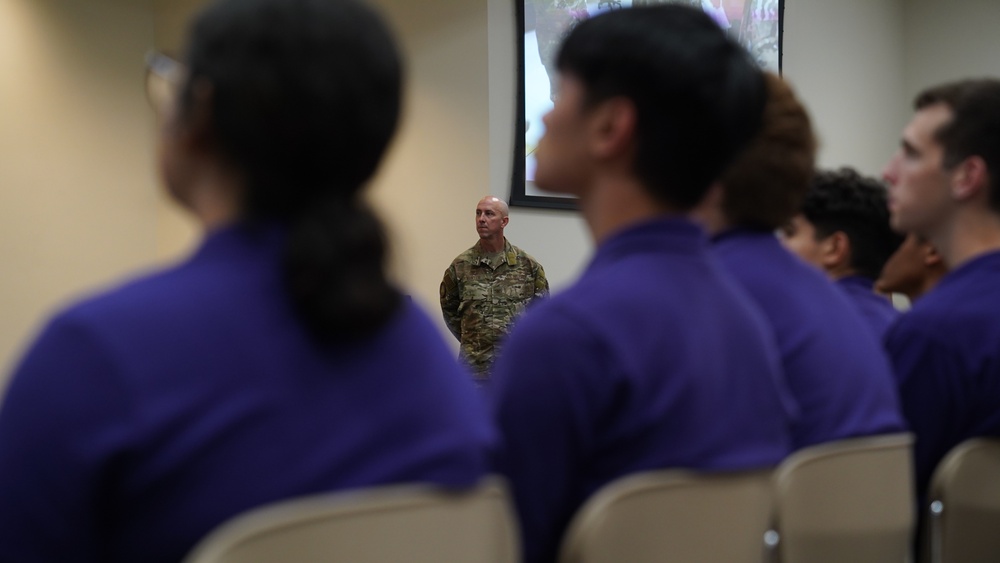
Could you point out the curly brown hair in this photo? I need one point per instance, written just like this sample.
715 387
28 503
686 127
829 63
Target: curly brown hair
765 185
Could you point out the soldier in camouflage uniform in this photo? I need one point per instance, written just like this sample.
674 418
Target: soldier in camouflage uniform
487 286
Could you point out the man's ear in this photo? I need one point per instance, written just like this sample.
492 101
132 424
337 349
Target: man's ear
931 256
970 179
504 221
612 127
835 250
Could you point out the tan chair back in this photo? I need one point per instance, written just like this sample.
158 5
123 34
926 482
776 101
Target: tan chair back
963 512
412 523
673 515
847 501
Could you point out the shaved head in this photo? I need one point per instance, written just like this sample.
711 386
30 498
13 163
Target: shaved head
500 204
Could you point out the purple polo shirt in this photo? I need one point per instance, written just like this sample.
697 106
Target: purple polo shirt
838 374
654 358
875 309
946 353
142 418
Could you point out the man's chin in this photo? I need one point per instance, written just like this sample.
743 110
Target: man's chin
898 223
905 225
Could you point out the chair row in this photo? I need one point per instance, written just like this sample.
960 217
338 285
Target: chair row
411 523
846 501
838 502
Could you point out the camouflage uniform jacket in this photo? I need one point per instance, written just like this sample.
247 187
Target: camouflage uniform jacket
482 293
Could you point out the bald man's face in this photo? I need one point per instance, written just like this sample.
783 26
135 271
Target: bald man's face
490 219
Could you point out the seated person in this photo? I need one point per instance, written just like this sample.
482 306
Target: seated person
944 186
278 360
913 270
843 229
839 376
654 358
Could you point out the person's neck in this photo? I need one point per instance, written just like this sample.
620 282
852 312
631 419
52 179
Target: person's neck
492 244
840 272
614 203
709 213
214 213
213 198
926 284
968 235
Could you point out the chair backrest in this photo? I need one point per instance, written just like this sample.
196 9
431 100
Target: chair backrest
414 523
963 519
849 500
673 515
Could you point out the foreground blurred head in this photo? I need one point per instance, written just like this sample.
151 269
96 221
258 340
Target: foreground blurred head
657 93
285 112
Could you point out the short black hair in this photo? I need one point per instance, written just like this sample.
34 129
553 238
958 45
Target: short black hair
305 95
305 98
974 129
844 200
698 95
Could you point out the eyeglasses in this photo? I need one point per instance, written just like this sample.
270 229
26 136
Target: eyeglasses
164 77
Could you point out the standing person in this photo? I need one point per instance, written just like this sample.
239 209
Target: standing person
944 188
653 358
913 270
278 360
487 287
839 394
843 229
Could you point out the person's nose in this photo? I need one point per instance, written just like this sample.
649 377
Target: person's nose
890 172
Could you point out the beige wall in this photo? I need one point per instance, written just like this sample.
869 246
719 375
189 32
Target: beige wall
77 200
80 206
949 40
845 58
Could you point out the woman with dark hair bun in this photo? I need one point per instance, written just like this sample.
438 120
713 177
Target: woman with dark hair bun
278 360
